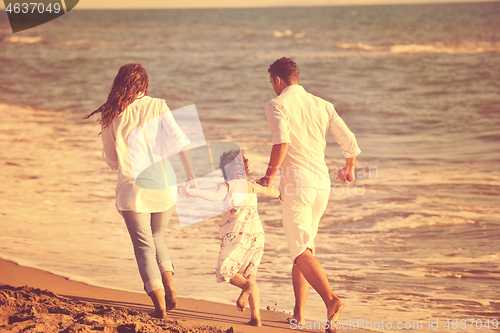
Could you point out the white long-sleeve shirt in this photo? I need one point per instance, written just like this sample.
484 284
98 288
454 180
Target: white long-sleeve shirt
144 134
303 120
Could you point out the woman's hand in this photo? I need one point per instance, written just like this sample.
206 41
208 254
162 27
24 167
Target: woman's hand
183 191
192 183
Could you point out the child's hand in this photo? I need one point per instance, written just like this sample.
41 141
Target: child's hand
183 191
268 191
190 192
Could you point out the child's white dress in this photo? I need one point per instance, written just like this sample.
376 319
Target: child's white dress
241 236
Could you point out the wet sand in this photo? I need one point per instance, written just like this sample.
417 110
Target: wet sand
52 303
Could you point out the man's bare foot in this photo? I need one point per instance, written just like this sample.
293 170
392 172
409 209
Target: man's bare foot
296 322
255 322
333 311
247 289
170 298
298 317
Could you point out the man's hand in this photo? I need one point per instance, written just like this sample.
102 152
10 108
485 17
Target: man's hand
346 174
264 181
278 153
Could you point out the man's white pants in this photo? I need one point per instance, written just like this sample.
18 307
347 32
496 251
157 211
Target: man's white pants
302 210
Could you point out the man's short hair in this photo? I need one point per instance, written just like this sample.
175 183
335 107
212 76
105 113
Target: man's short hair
286 69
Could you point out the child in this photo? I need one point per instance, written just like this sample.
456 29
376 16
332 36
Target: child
240 230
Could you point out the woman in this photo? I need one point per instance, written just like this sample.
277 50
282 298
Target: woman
138 132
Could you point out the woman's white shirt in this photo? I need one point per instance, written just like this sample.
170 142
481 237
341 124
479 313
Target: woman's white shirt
144 133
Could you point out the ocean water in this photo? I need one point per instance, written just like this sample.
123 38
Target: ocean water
416 238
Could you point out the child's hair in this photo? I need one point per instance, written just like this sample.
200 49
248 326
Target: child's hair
234 165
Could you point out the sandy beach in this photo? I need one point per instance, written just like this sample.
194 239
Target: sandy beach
54 304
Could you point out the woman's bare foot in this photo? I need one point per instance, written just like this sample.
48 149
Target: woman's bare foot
158 298
170 298
255 322
247 289
161 314
170 294
336 305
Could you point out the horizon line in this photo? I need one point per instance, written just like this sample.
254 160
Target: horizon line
346 4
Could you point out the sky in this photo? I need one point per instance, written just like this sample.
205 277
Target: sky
132 4
88 4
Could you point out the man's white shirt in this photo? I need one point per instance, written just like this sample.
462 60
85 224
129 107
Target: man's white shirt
303 120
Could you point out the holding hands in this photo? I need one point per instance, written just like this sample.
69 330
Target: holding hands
264 181
184 191
187 190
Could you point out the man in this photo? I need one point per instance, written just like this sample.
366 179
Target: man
299 122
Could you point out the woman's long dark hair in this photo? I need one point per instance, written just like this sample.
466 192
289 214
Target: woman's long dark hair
130 81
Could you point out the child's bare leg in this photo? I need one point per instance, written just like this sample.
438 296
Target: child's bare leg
246 290
254 301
